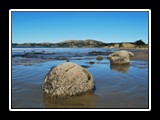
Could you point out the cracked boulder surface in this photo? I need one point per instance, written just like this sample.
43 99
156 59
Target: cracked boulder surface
120 57
68 79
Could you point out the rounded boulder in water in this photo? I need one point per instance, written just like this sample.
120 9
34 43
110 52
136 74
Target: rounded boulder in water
120 57
68 79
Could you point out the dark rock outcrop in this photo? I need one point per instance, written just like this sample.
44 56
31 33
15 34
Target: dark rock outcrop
91 62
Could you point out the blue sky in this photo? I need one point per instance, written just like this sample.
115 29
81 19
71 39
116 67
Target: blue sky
37 27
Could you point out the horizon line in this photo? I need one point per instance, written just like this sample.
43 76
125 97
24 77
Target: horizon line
79 40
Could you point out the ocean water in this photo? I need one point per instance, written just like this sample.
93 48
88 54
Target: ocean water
116 86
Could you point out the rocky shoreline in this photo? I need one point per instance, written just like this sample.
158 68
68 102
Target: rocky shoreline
29 58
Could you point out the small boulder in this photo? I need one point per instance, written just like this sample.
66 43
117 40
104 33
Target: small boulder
120 57
99 57
94 51
68 79
91 62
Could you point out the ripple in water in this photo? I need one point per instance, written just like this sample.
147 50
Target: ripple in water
116 86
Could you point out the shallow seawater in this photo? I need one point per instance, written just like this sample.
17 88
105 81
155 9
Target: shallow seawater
116 86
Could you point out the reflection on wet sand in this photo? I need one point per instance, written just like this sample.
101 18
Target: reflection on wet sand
113 89
85 101
120 68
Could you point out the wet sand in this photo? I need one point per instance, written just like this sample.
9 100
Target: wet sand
116 86
139 53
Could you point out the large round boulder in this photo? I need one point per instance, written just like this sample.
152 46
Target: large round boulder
120 57
68 79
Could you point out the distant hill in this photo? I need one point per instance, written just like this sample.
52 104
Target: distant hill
81 43
84 44
65 44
